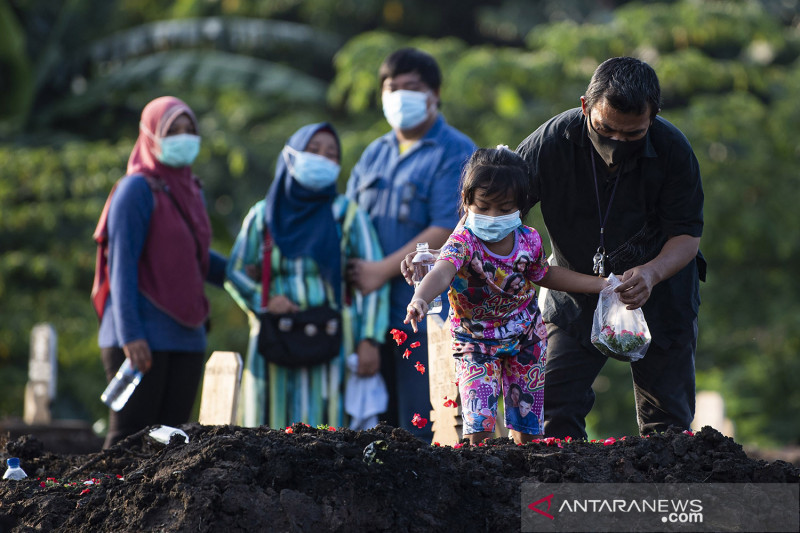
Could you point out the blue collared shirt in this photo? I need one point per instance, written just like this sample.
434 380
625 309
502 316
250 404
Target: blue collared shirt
405 194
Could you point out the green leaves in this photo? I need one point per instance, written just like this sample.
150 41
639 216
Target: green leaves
730 75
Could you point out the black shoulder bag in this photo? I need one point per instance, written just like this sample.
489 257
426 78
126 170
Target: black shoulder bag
305 338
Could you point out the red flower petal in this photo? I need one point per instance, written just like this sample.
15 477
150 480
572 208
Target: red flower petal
609 441
414 344
289 430
420 367
399 336
419 421
406 354
688 432
84 491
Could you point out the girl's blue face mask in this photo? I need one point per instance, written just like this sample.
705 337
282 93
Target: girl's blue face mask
312 171
492 229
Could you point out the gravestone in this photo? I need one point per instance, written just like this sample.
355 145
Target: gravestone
710 411
220 396
445 421
42 371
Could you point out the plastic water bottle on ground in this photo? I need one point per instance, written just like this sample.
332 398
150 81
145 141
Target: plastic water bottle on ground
423 263
122 386
14 471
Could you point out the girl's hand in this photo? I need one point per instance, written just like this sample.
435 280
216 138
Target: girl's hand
281 304
416 311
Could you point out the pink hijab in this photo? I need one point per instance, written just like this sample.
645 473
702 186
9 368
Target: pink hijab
174 260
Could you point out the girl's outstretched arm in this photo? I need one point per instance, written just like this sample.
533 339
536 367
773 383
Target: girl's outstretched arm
434 283
562 279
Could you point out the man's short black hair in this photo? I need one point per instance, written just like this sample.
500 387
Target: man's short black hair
408 60
629 85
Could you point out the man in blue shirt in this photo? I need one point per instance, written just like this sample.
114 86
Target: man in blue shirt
408 182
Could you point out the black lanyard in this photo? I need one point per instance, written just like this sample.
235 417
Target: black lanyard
599 259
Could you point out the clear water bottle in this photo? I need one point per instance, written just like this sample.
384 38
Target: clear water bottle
423 263
122 386
14 471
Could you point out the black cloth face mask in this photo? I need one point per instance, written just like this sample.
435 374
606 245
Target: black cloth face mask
613 152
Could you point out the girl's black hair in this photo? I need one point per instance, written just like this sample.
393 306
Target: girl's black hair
498 172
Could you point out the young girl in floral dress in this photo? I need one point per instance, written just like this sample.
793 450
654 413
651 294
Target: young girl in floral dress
500 335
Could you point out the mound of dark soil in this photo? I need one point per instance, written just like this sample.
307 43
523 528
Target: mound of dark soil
241 479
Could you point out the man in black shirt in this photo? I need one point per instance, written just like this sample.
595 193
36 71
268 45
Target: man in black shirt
617 181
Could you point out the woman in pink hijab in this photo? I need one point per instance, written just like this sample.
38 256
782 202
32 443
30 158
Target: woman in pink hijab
153 259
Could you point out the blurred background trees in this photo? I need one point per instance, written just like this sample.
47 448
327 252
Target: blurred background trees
74 76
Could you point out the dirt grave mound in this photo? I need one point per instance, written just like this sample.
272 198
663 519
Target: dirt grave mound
229 478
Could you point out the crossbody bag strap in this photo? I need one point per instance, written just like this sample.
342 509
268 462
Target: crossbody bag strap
347 223
266 268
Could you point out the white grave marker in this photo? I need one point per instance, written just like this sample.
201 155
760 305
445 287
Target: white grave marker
220 396
445 421
42 371
710 411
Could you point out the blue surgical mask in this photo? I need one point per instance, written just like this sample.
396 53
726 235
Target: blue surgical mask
179 150
405 110
175 150
492 229
312 171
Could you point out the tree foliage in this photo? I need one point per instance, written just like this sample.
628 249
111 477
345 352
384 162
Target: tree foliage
75 75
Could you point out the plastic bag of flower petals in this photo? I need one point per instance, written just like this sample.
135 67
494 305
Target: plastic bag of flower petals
618 332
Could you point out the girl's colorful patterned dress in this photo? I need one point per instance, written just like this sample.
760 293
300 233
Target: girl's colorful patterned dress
499 337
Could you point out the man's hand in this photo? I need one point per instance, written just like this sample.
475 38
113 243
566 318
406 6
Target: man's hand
369 360
407 266
138 352
637 285
366 276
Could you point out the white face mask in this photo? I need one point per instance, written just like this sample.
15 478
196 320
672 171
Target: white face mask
492 229
405 110
312 171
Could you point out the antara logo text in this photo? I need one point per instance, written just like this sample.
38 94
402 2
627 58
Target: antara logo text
673 511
